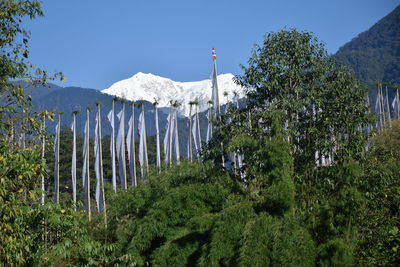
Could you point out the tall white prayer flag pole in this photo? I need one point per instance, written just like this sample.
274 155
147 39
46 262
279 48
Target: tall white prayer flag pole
235 100
195 131
42 196
57 162
145 139
73 165
158 156
239 156
143 158
111 119
209 124
177 147
167 140
130 142
214 85
378 110
382 104
231 156
171 132
396 104
227 102
198 125
121 147
191 136
387 106
215 94
85 168
100 198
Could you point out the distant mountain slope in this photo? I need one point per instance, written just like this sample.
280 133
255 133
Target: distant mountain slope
147 86
68 99
374 55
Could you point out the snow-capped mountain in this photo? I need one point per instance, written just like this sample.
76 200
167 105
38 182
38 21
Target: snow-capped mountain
149 87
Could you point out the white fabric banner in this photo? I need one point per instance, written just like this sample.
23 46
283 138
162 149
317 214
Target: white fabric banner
158 159
110 117
121 147
73 164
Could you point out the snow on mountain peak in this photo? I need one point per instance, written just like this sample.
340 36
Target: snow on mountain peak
147 86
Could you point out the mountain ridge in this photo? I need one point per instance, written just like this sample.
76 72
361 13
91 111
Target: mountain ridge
374 55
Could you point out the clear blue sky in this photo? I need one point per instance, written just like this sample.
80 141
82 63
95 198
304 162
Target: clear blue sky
98 42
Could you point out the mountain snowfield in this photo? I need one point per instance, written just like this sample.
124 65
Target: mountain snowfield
146 86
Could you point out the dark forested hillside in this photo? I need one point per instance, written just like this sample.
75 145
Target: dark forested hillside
69 99
374 55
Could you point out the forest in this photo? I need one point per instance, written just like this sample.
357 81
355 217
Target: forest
374 55
319 185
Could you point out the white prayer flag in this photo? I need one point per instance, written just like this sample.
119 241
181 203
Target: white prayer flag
378 103
56 163
73 165
85 168
158 159
97 166
396 105
85 153
110 117
142 142
387 107
121 147
194 133
214 85
176 139
167 139
209 126
130 143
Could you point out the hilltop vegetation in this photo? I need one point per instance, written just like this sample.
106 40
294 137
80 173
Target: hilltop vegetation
374 55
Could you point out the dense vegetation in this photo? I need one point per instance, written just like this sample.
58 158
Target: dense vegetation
314 189
374 55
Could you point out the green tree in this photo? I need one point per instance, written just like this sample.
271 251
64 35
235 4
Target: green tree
30 232
14 63
379 243
299 100
323 104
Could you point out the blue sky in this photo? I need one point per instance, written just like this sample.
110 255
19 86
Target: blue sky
98 42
